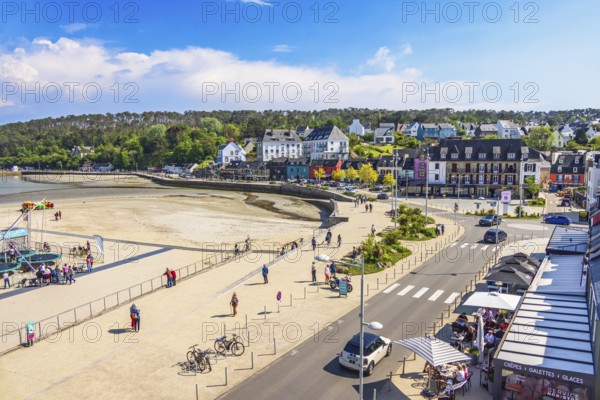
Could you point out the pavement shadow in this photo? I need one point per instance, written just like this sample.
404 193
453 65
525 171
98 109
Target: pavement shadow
372 389
120 331
221 315
255 284
333 367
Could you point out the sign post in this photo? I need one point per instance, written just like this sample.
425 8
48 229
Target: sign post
343 288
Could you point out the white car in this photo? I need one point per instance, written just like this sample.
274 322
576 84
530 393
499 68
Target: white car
376 348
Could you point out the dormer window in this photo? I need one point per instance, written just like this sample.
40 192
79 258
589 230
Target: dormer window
511 156
481 156
575 170
559 169
468 156
560 160
454 156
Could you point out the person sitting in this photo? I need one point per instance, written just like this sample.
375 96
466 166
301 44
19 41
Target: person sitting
459 375
490 339
499 335
469 335
462 318
489 324
458 345
487 315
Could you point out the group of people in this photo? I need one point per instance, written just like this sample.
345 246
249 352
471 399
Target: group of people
495 326
171 277
46 275
237 249
361 200
440 229
58 215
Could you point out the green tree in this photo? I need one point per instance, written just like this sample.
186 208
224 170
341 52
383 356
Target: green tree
231 131
338 175
594 143
319 173
367 174
389 180
581 138
351 174
540 138
531 186
211 125
573 145
490 137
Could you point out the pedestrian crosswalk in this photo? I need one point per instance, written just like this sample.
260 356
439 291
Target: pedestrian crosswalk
473 246
409 291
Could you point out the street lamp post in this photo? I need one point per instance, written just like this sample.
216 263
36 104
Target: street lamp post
497 227
521 179
394 204
372 325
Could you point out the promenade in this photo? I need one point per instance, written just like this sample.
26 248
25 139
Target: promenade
101 357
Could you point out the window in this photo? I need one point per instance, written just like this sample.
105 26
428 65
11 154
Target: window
575 170
495 179
559 178
467 179
481 179
443 156
511 156
231 152
481 156
421 174
509 180
559 169
496 156
454 156
560 160
468 156
481 168
495 168
575 178
437 177
453 179
437 165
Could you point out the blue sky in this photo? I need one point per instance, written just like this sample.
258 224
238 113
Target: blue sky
111 56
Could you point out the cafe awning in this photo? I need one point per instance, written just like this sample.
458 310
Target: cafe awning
502 301
433 350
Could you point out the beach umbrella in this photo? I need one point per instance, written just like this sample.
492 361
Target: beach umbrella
480 343
501 301
433 350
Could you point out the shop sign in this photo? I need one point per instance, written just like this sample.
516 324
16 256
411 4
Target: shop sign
560 394
556 375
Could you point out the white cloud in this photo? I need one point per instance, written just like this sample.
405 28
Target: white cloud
74 27
407 49
282 48
383 59
207 79
257 2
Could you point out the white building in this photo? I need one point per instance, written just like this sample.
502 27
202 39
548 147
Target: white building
278 143
327 142
356 127
385 133
230 152
592 177
508 129
437 172
413 129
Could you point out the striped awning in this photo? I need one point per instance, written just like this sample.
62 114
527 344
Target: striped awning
433 350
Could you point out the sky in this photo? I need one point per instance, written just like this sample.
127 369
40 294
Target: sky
83 57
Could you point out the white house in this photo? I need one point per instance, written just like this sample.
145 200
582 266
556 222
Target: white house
413 129
508 129
80 151
592 177
385 133
356 127
563 135
230 152
327 142
278 143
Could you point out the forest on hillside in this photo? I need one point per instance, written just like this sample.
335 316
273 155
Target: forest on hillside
139 140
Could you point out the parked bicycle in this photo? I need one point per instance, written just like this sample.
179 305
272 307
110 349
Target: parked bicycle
234 345
200 358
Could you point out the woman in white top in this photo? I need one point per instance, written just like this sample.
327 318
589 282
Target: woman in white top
460 374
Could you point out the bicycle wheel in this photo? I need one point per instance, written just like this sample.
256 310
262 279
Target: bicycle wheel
201 364
220 348
191 357
237 348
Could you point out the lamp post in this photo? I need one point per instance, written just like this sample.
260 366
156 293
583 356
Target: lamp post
497 227
394 204
521 181
372 325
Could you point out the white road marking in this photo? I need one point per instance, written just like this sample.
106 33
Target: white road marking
294 352
485 247
451 298
406 290
391 288
434 296
453 244
464 245
420 292
474 246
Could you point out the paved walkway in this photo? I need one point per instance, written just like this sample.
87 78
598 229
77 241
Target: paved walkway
101 356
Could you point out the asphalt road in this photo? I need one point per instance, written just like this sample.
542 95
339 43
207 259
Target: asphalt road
412 304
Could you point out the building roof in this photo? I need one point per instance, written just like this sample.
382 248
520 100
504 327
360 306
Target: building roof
568 240
300 161
326 133
235 146
279 135
447 126
505 124
487 128
430 126
324 162
567 162
504 147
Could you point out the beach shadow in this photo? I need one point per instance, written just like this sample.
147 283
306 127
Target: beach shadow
304 282
221 315
120 331
254 284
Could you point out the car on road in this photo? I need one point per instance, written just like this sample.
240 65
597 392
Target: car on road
375 349
557 219
383 196
490 220
491 235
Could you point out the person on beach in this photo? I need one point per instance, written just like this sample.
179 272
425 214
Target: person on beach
134 314
328 237
443 229
373 230
59 215
314 243
71 275
265 273
370 207
173 277
366 208
89 263
169 276
313 271
236 250
327 273
339 240
333 269
234 303
6 280
88 247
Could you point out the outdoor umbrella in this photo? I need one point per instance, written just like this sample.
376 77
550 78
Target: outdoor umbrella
433 350
501 301
480 343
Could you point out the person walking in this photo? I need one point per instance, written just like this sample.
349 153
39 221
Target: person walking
333 269
328 237
339 240
370 207
443 229
59 215
71 275
313 271
88 247
6 280
314 243
89 263
169 277
327 273
134 314
373 230
234 303
366 207
265 273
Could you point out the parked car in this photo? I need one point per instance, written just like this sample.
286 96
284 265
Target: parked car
383 196
375 349
491 235
557 219
490 220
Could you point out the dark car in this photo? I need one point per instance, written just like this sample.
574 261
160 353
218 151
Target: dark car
491 235
383 196
490 219
557 219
